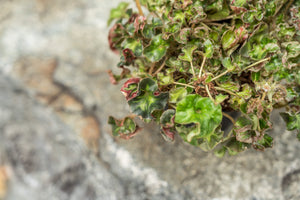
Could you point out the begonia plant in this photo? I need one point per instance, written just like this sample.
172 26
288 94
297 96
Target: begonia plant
188 63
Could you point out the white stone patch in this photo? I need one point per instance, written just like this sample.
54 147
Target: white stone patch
148 175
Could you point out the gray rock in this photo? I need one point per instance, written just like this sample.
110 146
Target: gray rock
75 33
45 158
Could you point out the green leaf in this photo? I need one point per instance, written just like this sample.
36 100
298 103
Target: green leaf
200 110
292 121
188 131
177 94
167 124
226 62
148 99
165 79
265 142
208 48
242 129
220 152
134 45
182 36
246 92
234 147
228 40
157 48
125 128
118 13
220 98
234 87
187 53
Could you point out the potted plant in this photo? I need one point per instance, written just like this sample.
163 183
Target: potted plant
188 63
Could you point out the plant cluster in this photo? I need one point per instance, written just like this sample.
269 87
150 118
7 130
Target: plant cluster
190 63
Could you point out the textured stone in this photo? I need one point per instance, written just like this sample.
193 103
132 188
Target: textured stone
3 181
75 34
46 158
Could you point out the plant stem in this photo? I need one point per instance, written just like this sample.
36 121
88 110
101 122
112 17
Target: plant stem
138 5
207 90
183 84
160 68
193 70
225 90
151 69
229 117
202 65
263 96
256 63
220 75
225 18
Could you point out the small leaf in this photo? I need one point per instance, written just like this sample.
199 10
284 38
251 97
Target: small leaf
148 99
118 13
230 86
208 48
200 110
134 45
292 121
220 152
226 62
265 142
242 129
165 79
125 128
187 53
234 147
220 98
167 124
228 39
176 94
157 49
129 88
182 36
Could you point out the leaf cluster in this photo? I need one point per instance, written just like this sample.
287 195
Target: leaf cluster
190 63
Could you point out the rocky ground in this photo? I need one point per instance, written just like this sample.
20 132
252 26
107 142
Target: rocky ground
54 139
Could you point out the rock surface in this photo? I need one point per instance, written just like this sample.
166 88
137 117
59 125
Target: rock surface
45 158
58 50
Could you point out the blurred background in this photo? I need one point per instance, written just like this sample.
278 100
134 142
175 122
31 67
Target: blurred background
55 99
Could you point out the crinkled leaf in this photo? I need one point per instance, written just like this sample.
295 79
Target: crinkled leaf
130 87
226 62
177 94
242 129
148 99
182 36
157 49
119 12
208 48
134 45
220 152
165 79
125 128
187 53
265 142
230 86
220 98
200 110
292 121
234 147
167 124
188 132
228 39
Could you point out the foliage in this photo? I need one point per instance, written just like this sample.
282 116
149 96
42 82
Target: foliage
188 63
